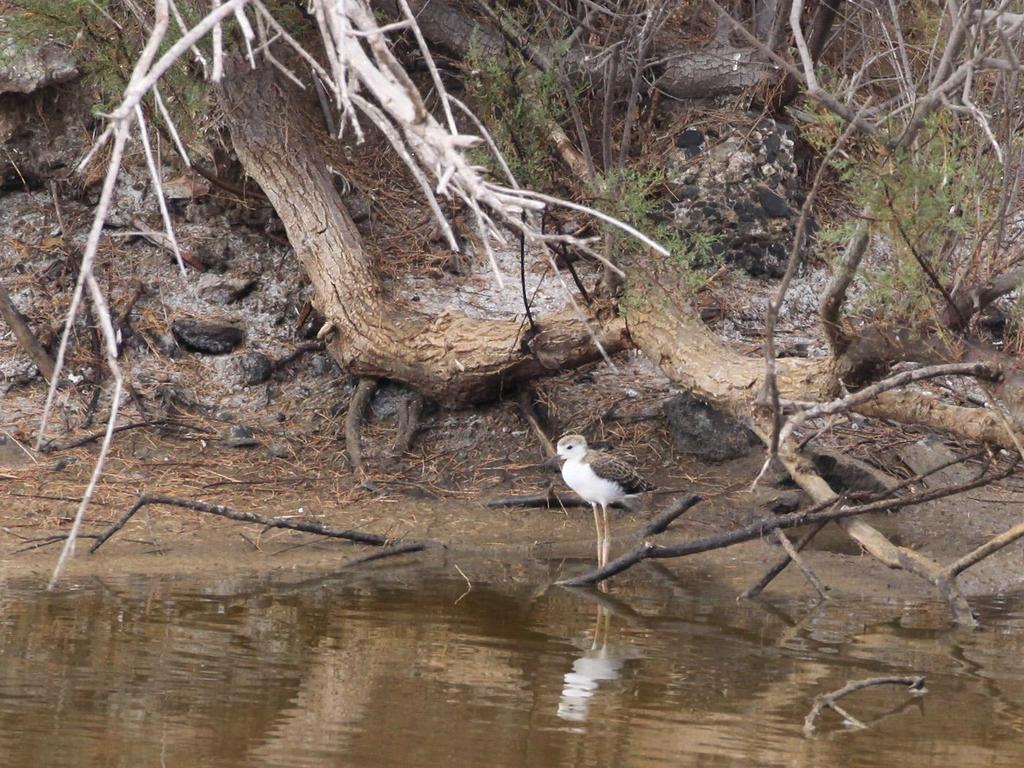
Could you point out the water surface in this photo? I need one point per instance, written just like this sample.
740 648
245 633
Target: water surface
419 671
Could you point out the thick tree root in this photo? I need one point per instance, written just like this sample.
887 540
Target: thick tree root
409 411
354 421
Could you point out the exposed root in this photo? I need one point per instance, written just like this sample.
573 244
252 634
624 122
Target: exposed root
26 339
354 421
409 411
525 400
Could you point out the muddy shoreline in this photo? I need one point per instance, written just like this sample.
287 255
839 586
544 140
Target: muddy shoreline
537 546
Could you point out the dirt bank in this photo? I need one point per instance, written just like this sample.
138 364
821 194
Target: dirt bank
539 545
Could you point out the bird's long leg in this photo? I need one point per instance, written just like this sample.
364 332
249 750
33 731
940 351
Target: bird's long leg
607 540
600 535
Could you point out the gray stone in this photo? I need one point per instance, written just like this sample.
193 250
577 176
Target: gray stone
12 454
925 455
784 502
358 206
240 437
207 336
279 450
254 368
325 365
24 68
701 430
225 290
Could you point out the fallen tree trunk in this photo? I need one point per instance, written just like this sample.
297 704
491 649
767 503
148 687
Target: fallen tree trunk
667 329
449 357
717 70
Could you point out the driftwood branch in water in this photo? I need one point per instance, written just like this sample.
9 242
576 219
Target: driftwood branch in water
783 561
914 683
756 589
661 523
816 514
805 569
360 537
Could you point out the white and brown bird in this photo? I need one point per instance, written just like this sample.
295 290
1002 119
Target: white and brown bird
600 479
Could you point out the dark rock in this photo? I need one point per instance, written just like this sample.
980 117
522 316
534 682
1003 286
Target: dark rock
689 192
63 463
165 344
845 473
358 206
311 321
774 205
240 437
784 502
254 368
215 255
701 430
324 365
206 336
691 137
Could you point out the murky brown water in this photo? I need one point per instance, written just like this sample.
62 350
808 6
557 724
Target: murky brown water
417 671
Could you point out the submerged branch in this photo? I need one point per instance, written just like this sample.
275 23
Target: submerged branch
760 528
915 685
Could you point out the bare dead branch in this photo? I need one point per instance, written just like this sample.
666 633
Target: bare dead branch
915 685
289 523
794 556
26 338
760 528
780 565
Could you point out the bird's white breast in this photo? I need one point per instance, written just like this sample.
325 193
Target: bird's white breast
582 479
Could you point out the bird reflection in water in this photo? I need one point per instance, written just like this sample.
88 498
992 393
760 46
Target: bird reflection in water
600 663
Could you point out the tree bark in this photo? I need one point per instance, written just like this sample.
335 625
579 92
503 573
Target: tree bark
701 74
449 357
671 334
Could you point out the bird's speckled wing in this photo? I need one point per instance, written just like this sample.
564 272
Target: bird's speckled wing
618 471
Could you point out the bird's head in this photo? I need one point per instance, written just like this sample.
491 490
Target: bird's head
572 447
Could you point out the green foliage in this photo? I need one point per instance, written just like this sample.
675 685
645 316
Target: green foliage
637 196
519 105
917 206
105 39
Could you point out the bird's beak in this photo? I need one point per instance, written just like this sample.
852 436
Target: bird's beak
553 461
